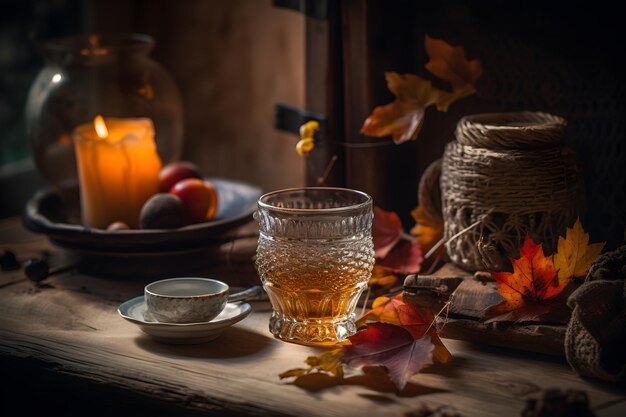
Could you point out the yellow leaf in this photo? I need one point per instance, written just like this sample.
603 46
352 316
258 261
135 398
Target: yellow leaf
427 230
293 373
328 361
384 281
384 310
575 255
380 301
381 277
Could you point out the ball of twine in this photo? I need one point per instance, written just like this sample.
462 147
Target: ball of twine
505 193
521 130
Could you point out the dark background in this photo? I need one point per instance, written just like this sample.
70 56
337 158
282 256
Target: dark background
565 58
234 60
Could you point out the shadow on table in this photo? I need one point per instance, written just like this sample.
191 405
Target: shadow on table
372 378
451 369
235 342
507 352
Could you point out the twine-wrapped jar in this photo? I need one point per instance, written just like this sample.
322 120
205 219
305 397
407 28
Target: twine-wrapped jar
506 176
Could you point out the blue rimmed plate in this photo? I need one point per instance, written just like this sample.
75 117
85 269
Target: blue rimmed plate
47 213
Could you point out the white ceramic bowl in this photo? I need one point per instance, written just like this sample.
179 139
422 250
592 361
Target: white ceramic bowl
186 300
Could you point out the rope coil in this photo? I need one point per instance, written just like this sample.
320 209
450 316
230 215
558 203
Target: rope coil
507 178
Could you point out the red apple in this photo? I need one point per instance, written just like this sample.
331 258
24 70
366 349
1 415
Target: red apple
199 198
175 172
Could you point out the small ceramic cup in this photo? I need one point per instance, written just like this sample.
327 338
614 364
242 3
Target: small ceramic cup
186 300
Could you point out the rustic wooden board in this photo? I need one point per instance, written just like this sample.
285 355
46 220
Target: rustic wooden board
72 327
540 338
470 297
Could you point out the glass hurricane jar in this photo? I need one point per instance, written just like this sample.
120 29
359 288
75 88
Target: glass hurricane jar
315 256
86 76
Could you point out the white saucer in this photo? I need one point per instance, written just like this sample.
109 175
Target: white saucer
135 311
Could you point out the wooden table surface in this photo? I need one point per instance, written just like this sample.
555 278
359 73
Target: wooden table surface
70 329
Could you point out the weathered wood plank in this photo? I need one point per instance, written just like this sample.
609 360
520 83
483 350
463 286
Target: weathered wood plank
533 338
80 334
73 327
469 299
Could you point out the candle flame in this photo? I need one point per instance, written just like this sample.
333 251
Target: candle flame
101 127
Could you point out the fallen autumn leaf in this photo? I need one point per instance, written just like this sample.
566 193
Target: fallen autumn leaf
391 346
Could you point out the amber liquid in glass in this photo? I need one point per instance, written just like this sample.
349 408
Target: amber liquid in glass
314 288
311 294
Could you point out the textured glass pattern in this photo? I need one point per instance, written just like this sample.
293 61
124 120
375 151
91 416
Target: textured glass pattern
315 256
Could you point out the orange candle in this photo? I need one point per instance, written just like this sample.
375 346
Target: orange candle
118 169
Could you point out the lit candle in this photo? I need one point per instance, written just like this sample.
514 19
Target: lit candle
118 168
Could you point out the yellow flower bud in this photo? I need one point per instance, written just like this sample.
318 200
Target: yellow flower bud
308 129
305 146
307 137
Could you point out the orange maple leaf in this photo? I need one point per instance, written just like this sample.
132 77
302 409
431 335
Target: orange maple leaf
402 118
451 64
525 291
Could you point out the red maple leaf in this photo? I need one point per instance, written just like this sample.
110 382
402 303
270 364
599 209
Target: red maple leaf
394 251
417 321
391 346
529 291
386 231
405 258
